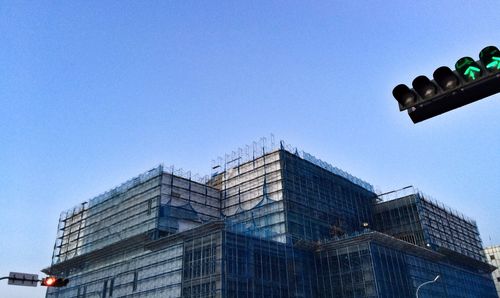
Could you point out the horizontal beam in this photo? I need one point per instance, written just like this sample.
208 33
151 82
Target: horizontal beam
467 94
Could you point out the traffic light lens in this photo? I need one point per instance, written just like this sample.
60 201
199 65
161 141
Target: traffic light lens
404 95
468 68
445 78
53 281
424 87
50 281
490 57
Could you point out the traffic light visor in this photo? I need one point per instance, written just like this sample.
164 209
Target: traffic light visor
468 68
404 95
445 78
424 87
48 281
53 281
490 57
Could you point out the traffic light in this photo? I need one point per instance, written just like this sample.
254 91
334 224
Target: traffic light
53 281
471 81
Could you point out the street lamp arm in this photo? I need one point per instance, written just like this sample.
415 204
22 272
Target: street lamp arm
426 283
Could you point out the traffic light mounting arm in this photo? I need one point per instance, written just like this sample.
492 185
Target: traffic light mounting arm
459 97
472 81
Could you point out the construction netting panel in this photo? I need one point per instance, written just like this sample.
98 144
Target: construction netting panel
357 267
399 273
420 220
451 229
346 271
400 218
202 266
252 197
128 210
320 203
186 204
244 186
493 257
265 221
257 267
130 273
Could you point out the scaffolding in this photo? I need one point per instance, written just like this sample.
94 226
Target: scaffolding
259 226
417 218
265 145
158 202
110 217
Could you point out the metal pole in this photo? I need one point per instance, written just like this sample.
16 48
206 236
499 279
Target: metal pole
425 283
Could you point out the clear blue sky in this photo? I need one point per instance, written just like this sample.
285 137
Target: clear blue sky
95 92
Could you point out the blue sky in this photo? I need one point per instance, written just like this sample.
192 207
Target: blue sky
95 92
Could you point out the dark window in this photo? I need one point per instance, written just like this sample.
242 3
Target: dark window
150 205
498 279
111 284
492 257
104 289
186 292
134 283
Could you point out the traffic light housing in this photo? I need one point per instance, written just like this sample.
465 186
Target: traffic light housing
52 281
471 81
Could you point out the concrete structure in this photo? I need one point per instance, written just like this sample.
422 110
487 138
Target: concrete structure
493 257
271 221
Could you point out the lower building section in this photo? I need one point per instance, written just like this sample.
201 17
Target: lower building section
373 265
254 267
493 257
346 271
132 274
412 270
214 260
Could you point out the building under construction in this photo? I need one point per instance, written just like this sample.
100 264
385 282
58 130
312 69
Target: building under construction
493 257
270 221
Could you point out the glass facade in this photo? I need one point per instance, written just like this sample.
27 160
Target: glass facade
277 223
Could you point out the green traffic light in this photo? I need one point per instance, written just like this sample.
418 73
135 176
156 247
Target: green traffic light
471 72
490 57
468 68
495 63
